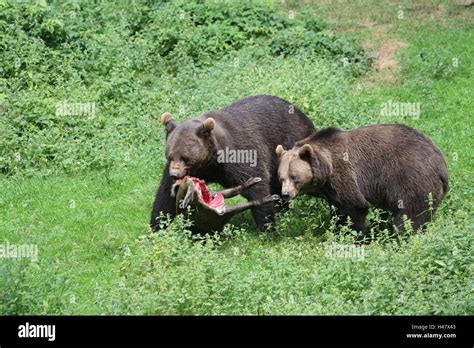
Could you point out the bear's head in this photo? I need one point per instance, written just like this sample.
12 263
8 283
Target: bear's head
302 169
190 145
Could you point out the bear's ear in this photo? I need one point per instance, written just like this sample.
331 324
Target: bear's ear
280 150
306 151
208 125
168 121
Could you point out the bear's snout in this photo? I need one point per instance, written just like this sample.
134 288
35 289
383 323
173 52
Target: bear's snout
176 175
177 170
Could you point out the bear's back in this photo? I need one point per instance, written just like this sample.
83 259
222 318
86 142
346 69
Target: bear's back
399 161
264 121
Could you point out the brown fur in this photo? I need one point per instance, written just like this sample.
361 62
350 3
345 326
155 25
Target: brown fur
393 167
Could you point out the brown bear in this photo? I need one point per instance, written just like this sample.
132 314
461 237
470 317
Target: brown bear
208 210
229 145
393 167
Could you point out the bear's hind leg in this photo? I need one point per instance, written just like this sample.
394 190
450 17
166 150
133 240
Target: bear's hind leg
416 221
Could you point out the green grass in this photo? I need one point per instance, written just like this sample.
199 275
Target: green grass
82 189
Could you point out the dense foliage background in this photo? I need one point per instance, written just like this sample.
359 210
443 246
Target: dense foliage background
80 185
133 61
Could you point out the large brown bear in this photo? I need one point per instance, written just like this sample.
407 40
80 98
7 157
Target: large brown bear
230 145
393 167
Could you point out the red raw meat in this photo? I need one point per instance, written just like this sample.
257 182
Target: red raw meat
213 200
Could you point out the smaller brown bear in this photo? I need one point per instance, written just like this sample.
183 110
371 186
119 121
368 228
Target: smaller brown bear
208 210
392 167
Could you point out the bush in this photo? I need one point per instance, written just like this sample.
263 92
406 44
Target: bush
114 65
168 273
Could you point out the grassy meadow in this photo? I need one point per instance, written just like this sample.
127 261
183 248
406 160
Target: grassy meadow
82 87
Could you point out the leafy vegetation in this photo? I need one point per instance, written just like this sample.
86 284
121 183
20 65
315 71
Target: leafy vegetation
126 61
81 153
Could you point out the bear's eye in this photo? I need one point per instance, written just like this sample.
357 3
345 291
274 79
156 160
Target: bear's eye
185 159
294 178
